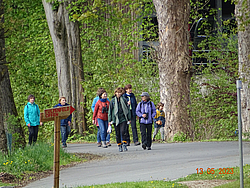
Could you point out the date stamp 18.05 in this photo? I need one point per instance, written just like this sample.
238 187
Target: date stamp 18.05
212 171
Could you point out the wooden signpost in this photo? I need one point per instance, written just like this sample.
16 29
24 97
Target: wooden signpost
56 114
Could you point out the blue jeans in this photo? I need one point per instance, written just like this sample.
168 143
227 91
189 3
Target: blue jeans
65 131
99 136
103 127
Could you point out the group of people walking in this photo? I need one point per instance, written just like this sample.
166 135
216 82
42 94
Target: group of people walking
121 112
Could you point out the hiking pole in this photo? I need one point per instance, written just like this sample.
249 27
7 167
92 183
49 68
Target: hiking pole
239 87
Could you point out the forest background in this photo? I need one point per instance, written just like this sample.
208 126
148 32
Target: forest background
29 48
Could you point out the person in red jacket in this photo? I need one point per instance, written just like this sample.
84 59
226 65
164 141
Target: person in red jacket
101 112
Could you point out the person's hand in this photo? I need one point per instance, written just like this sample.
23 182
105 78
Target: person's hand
144 115
69 123
129 102
28 125
93 121
41 123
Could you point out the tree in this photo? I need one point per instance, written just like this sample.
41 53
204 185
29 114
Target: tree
174 63
242 14
67 47
7 103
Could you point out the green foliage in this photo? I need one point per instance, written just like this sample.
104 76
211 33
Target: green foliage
180 137
11 121
29 48
109 37
213 90
33 159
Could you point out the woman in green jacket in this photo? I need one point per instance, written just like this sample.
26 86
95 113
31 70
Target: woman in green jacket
120 117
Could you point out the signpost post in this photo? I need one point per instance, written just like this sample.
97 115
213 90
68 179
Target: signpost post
56 114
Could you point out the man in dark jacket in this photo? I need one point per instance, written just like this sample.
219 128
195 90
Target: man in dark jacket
130 97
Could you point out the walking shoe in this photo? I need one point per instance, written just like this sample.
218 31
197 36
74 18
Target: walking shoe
104 144
99 144
149 148
128 144
125 147
64 146
153 139
137 143
108 144
120 148
144 146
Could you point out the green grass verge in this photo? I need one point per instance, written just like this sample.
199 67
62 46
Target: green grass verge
210 174
143 184
31 159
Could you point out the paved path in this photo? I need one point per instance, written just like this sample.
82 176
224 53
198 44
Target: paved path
169 161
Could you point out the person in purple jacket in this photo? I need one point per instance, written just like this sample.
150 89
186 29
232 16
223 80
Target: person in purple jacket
146 112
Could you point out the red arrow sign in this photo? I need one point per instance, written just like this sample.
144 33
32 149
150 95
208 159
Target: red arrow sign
62 112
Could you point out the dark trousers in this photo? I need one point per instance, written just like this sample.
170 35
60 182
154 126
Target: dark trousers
146 134
121 132
33 131
134 130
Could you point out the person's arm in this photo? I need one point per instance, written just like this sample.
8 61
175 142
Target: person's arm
95 112
110 111
38 112
26 116
138 111
153 110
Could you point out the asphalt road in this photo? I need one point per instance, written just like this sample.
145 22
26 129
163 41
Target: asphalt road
169 161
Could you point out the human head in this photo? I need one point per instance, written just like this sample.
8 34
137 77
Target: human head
145 96
62 100
101 92
128 88
31 97
119 91
160 104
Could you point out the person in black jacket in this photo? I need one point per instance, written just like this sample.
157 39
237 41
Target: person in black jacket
132 104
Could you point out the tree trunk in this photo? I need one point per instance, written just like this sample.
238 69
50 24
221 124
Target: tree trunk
9 107
67 47
174 64
7 103
244 62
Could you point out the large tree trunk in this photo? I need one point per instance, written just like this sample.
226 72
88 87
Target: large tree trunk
9 108
3 139
7 103
67 47
244 62
174 64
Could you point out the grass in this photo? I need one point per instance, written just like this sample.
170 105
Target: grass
31 159
222 174
143 184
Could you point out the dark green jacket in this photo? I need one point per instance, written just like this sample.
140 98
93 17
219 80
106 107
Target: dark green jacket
113 110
